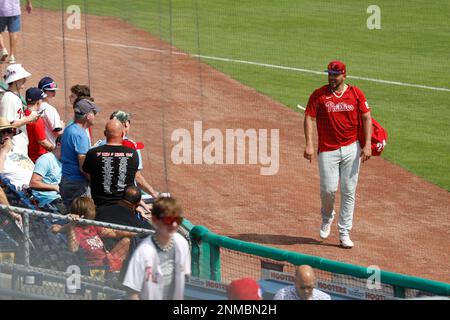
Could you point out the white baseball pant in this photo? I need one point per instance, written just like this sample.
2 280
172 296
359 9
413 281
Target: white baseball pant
341 164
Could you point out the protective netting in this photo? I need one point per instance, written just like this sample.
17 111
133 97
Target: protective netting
27 282
54 255
190 66
237 265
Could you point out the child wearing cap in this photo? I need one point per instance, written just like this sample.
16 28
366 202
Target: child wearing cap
38 143
54 126
11 106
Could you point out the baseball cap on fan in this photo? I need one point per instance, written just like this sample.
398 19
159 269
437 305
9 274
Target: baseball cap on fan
85 106
48 84
120 115
123 117
33 95
336 67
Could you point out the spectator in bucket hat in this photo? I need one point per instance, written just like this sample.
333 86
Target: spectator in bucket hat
11 106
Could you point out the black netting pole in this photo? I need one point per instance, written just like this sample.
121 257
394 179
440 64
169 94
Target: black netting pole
200 77
86 13
63 30
43 34
163 97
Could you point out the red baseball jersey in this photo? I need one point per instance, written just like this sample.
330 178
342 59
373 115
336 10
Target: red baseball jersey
337 117
36 132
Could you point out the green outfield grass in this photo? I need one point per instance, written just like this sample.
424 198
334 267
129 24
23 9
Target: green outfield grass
413 46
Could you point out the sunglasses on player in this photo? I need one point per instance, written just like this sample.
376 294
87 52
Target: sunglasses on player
170 220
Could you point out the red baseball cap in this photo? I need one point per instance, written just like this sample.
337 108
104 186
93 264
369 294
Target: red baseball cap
336 67
244 289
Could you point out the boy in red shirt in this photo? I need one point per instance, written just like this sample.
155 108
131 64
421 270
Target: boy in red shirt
38 144
337 109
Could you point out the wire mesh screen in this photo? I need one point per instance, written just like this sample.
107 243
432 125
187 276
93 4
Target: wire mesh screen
237 265
60 251
217 89
26 282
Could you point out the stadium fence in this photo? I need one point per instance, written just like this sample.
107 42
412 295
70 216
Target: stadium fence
39 266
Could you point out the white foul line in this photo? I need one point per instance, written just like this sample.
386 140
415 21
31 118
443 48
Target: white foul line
397 83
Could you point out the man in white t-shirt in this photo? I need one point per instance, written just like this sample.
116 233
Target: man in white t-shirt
158 267
11 107
54 126
15 166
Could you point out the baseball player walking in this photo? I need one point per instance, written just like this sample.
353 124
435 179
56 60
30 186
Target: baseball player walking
338 109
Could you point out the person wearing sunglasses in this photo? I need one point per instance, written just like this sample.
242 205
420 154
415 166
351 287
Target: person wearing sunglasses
75 144
338 110
158 266
304 288
14 165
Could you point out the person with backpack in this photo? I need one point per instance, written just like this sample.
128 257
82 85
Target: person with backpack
340 110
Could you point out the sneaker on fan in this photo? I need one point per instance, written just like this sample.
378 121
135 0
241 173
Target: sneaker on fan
325 228
345 242
4 55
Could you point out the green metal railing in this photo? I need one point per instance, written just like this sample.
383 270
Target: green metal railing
206 257
206 247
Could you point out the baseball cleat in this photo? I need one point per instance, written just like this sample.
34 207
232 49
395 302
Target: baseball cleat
345 242
325 228
12 59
